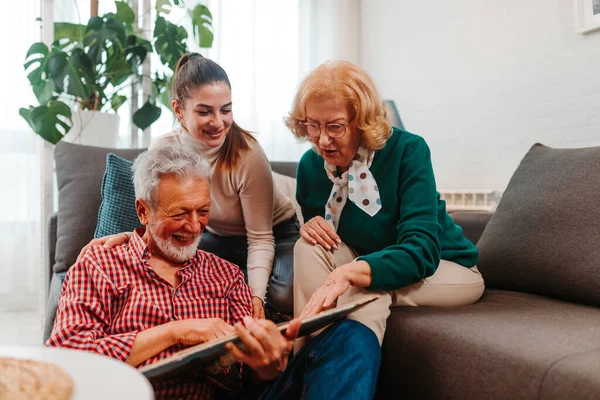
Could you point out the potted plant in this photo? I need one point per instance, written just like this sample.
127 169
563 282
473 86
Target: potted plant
89 67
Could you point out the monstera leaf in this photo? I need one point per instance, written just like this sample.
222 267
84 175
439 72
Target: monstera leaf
117 101
170 42
117 69
91 64
161 90
36 62
102 33
147 115
51 121
74 74
124 13
163 7
37 57
44 91
68 35
136 51
202 25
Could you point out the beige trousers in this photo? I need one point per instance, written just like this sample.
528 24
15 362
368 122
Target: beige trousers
451 285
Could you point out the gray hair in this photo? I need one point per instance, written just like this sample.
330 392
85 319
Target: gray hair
175 159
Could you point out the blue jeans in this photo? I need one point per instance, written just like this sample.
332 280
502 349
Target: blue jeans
340 363
234 249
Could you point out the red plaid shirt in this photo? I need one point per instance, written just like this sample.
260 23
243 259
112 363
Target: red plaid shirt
110 295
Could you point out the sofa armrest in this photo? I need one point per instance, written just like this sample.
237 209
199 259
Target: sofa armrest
473 222
51 241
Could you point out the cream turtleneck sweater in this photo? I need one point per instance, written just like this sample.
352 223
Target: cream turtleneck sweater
243 202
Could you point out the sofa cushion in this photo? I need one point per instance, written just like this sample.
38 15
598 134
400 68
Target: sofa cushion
287 186
574 377
544 236
498 348
79 173
117 210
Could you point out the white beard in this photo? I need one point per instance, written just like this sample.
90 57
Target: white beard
172 251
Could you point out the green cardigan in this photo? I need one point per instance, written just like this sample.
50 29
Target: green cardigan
404 242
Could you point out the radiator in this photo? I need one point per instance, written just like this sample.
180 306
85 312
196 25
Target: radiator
471 199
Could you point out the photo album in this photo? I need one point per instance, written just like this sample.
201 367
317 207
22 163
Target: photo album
213 357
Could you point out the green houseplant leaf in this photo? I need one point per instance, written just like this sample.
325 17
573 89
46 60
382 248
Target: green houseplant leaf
118 70
136 51
170 42
71 74
37 56
68 34
91 64
117 101
102 33
202 25
39 76
44 92
147 115
163 7
51 121
124 13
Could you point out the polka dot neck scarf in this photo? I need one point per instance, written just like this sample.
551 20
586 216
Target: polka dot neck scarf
357 184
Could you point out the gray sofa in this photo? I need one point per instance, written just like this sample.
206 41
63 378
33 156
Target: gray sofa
535 334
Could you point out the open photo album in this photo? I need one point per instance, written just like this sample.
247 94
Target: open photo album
212 357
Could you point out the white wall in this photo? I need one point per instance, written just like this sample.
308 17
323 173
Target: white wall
482 81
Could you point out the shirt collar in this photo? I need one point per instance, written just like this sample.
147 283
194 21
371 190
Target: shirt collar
137 244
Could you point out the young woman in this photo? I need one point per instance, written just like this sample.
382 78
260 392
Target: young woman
251 223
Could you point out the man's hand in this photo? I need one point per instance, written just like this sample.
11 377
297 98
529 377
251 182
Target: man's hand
193 331
258 309
108 242
267 349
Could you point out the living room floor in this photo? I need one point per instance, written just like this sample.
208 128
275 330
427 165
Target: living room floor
20 328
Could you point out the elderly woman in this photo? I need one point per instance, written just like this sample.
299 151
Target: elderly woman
375 221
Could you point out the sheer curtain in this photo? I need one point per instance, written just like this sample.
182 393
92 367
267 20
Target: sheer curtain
20 166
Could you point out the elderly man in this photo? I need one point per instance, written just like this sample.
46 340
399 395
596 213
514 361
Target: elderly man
144 301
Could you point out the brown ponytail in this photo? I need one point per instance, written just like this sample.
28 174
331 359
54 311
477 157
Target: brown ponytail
191 72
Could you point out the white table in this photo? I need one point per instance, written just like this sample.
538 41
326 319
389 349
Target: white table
94 377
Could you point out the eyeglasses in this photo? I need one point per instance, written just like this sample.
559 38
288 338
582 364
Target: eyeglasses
313 130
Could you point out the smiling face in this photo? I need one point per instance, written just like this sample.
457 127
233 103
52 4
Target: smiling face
176 222
334 110
207 113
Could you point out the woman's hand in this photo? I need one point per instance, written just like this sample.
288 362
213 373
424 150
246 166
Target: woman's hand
355 273
108 242
258 309
325 297
267 350
318 231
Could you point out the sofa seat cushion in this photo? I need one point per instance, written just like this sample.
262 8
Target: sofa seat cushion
500 347
573 377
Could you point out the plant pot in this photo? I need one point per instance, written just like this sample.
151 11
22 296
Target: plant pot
94 128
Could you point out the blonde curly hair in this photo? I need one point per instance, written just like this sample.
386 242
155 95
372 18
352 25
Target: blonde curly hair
344 79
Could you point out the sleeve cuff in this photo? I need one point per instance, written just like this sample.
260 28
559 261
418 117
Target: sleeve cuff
258 280
118 346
